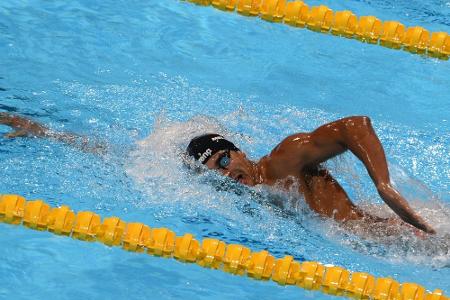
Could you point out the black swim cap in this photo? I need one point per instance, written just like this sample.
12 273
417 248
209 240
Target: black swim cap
204 146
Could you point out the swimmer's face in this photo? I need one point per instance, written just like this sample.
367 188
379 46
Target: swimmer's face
233 164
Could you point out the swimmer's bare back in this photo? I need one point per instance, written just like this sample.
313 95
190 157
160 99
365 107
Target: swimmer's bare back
24 127
300 156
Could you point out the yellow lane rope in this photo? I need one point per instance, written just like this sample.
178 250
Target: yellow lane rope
209 253
369 29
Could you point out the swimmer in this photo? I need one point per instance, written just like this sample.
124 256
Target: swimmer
296 160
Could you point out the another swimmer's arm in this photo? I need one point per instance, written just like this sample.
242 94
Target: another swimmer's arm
24 127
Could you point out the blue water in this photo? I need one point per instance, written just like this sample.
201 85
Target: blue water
144 77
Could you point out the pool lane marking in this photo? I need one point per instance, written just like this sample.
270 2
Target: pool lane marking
209 253
368 29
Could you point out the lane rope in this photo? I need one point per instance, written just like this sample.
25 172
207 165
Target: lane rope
368 29
209 253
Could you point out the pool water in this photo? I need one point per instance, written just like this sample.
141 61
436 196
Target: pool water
143 77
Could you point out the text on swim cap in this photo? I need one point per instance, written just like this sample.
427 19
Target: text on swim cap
205 155
215 139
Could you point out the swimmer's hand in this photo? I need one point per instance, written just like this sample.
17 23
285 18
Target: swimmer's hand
378 227
22 127
417 232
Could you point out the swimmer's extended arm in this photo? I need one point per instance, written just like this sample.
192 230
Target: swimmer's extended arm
24 127
357 135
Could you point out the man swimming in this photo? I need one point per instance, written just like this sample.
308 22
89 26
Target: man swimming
296 160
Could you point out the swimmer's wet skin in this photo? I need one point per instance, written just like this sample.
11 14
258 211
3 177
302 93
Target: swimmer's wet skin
298 158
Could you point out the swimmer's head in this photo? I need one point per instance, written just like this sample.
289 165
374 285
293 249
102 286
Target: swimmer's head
217 153
203 147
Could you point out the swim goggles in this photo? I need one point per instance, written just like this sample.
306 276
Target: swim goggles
224 160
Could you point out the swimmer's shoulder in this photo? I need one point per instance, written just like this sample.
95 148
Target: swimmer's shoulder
291 144
286 159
